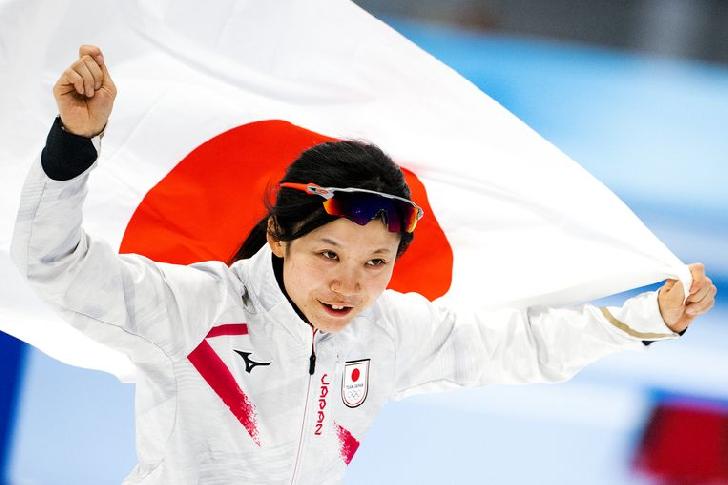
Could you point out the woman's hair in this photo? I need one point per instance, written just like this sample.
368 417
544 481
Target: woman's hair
346 163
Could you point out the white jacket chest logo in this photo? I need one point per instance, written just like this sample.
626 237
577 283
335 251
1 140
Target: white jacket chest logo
249 363
355 383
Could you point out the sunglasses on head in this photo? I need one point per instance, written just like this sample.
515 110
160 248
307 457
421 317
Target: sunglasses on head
361 205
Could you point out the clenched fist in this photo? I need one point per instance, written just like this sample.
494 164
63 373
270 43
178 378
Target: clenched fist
85 93
677 311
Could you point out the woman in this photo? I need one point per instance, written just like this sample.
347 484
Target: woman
272 369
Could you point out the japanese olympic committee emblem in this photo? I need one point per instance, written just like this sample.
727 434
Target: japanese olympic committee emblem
355 384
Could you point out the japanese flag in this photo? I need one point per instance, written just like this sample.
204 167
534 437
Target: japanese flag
216 99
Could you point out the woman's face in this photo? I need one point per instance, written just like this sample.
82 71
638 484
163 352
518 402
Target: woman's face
338 264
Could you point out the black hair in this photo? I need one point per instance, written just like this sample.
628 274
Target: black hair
348 163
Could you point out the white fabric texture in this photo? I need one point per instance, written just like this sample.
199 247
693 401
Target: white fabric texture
547 232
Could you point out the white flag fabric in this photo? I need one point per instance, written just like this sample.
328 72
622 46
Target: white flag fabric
521 222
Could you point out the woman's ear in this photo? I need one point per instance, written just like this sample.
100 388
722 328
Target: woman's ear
277 247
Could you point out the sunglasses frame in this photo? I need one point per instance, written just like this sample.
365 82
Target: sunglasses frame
328 193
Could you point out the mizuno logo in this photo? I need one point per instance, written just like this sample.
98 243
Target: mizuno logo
249 364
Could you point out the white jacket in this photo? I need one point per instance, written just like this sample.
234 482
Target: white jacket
224 394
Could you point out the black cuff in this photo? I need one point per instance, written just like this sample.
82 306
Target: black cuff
648 342
66 155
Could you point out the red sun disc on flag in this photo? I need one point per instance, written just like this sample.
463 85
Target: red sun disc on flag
204 208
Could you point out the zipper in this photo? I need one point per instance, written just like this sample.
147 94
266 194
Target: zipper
311 370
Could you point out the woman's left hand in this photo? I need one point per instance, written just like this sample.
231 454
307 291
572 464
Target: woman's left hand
677 311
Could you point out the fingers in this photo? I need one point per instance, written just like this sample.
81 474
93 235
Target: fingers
88 79
95 70
674 293
669 284
72 78
697 271
702 286
91 51
85 75
702 292
704 304
679 312
108 82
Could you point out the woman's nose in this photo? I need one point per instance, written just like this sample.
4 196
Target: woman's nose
346 282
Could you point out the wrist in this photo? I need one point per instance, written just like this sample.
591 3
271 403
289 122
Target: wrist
90 134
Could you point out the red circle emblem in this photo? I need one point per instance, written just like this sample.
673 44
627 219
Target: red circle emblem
355 374
203 209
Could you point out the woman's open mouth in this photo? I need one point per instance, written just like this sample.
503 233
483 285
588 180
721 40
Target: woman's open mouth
336 310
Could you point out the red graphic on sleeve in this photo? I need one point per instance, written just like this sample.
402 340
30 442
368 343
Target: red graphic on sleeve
228 329
348 443
212 368
355 375
205 206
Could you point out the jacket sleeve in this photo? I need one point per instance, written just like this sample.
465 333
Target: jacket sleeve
127 302
440 348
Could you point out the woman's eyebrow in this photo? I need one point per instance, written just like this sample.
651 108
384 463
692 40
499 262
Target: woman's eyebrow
329 241
334 243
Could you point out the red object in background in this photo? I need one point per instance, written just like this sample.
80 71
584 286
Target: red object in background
204 208
686 444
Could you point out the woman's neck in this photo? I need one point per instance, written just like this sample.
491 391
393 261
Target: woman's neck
278 271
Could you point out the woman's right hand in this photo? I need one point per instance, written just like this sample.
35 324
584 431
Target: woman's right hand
85 93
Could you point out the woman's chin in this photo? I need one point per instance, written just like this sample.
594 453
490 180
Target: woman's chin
331 326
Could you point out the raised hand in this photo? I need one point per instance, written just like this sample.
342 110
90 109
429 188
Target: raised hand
85 93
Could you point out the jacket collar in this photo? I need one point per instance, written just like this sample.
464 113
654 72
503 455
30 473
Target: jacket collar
267 296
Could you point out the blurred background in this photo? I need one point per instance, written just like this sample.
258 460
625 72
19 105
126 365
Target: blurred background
637 92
